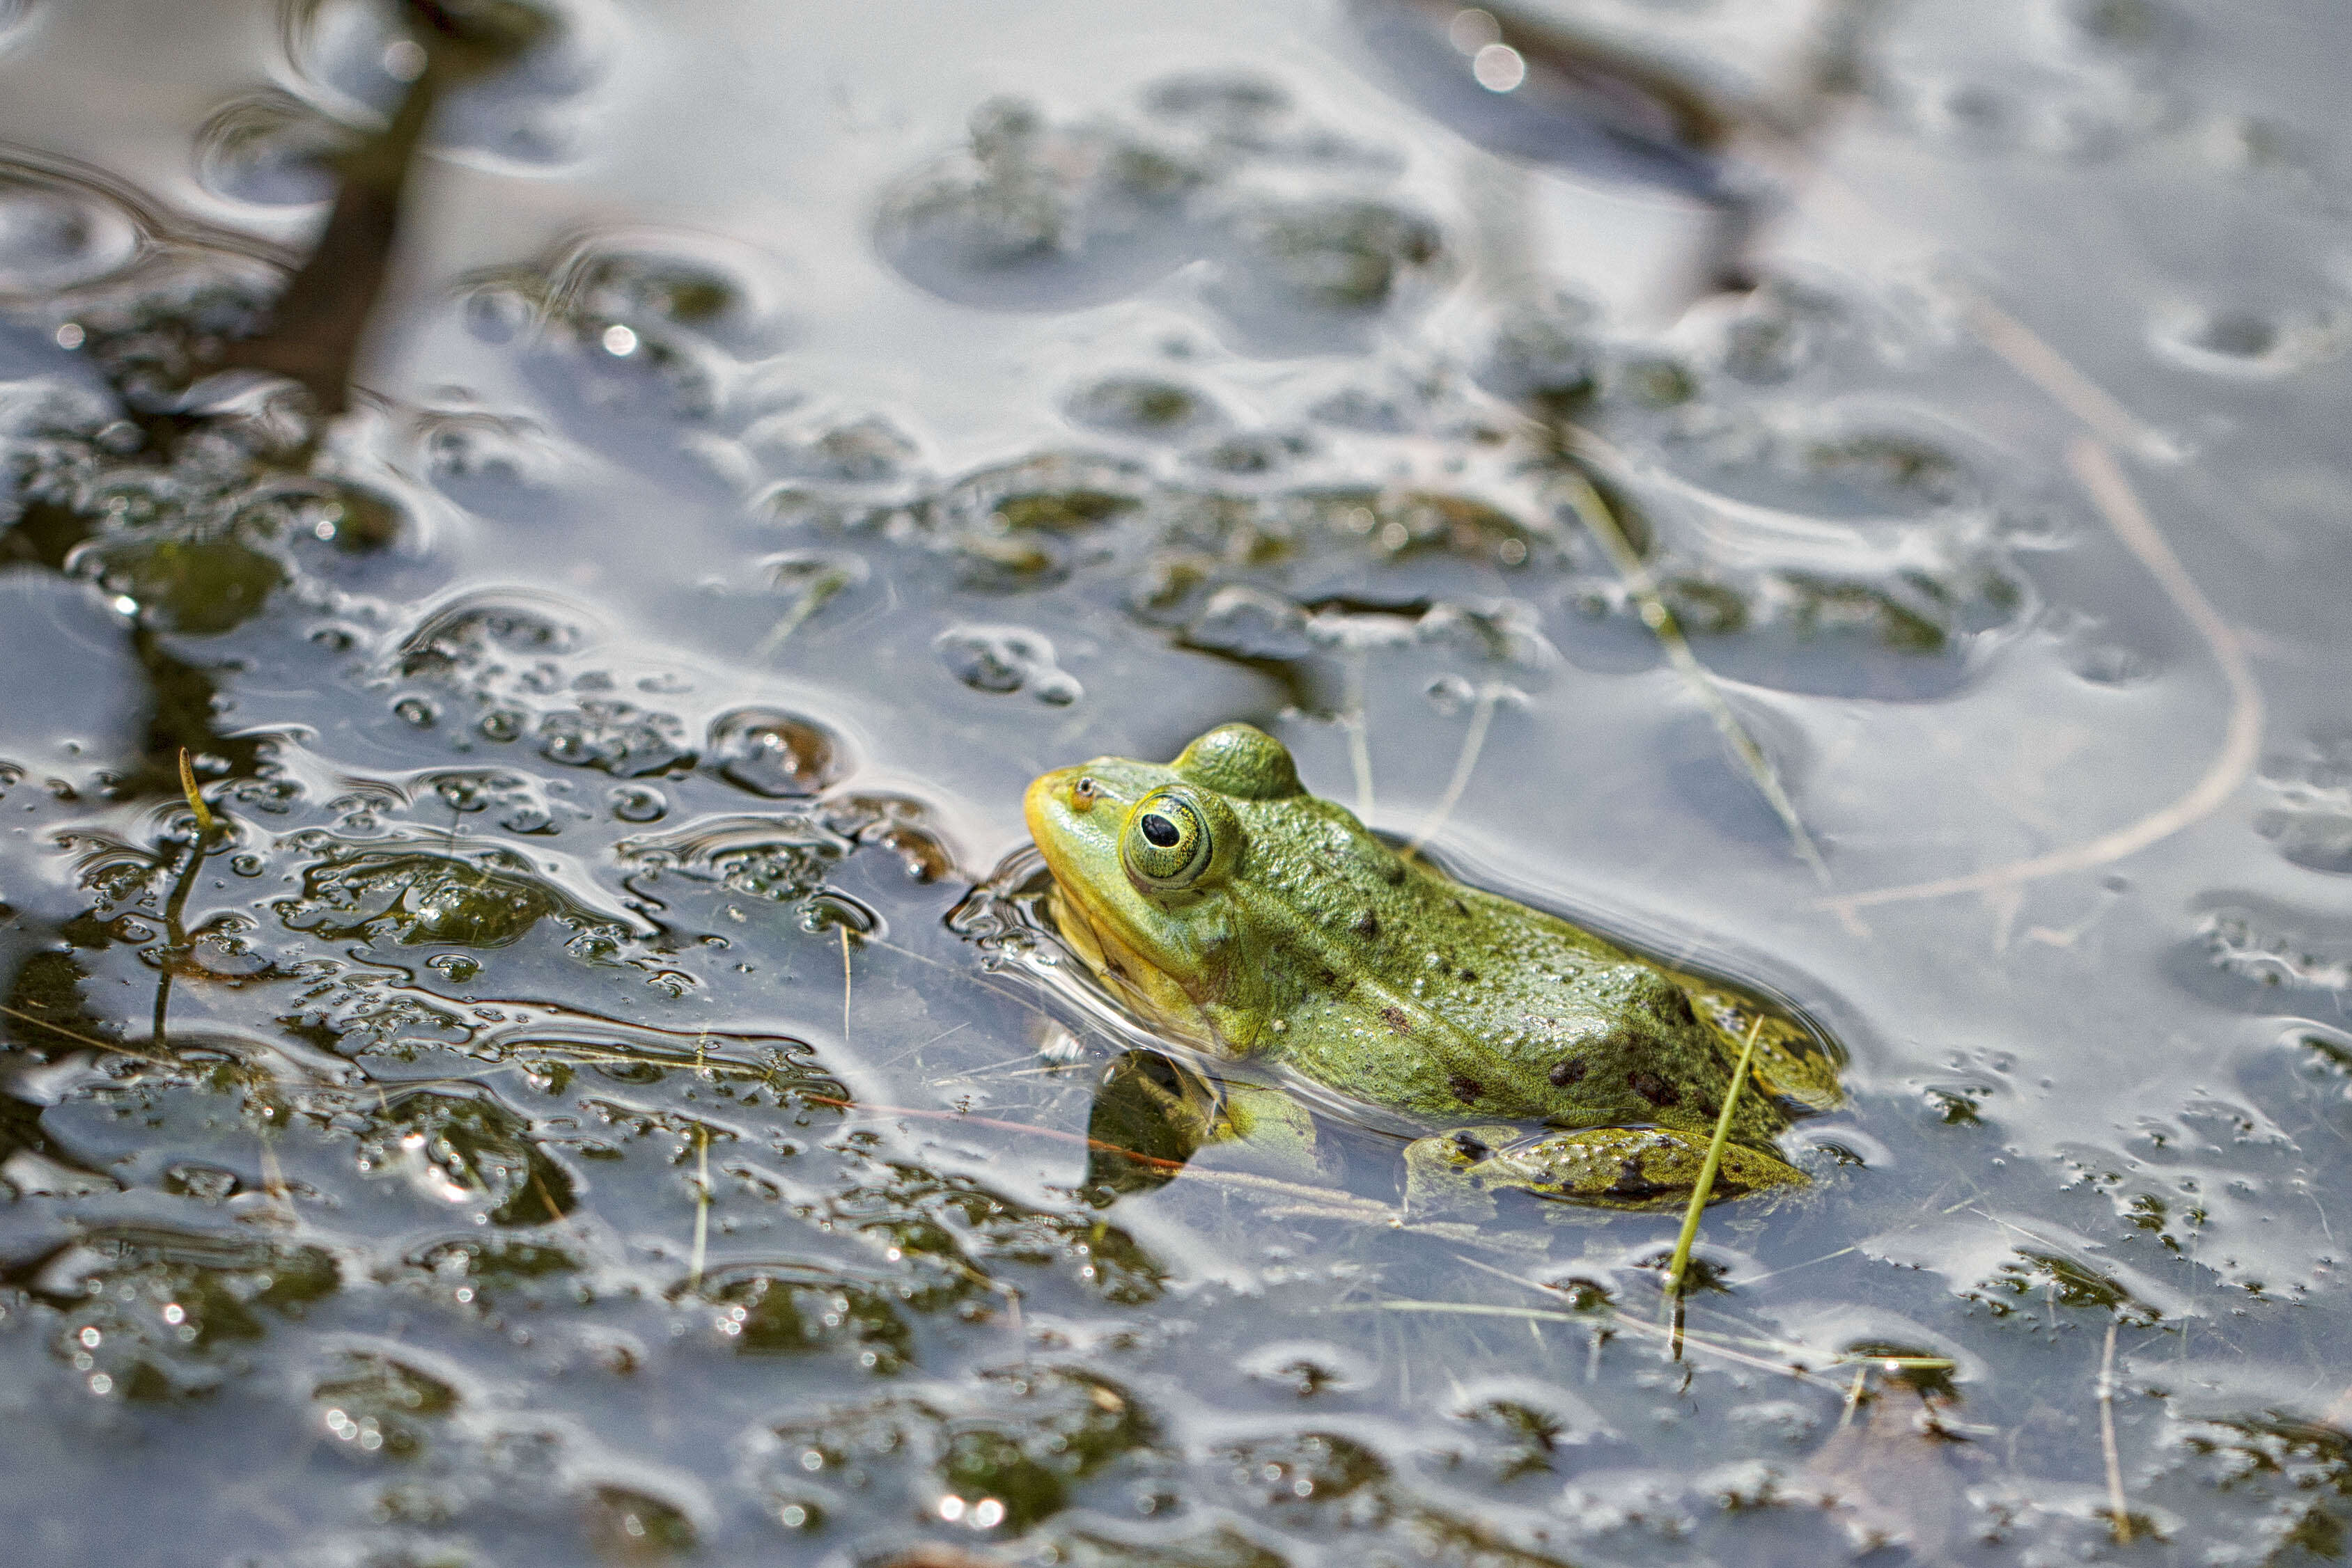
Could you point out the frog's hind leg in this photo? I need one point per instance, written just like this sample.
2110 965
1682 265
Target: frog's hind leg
1608 1167
1794 1061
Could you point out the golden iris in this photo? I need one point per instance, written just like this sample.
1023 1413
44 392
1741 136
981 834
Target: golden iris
1166 843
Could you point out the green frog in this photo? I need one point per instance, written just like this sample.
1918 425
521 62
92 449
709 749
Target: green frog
1243 917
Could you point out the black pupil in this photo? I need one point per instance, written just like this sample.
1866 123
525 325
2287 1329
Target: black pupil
1160 830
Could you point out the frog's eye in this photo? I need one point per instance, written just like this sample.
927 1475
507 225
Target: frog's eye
1166 844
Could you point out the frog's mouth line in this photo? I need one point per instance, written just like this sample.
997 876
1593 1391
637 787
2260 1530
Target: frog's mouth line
1094 932
1094 938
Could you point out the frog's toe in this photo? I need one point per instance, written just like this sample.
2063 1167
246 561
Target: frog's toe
1612 1167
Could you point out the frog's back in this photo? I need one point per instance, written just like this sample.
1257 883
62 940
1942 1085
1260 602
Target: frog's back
1409 989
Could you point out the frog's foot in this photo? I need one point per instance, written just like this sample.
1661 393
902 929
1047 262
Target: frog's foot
1793 1062
1610 1168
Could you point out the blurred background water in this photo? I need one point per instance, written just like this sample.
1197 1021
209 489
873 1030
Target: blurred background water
616 501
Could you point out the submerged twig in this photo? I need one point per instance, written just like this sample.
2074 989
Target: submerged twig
1705 1186
91 1041
320 319
2030 356
2118 1517
2095 467
1330 1199
1621 1320
1593 510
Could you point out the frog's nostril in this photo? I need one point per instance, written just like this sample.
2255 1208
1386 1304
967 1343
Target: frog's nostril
1084 793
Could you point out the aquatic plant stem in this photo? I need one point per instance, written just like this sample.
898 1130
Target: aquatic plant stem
1705 1183
175 933
845 983
162 1012
1593 510
813 599
2119 1516
1473 743
1359 740
701 1211
195 799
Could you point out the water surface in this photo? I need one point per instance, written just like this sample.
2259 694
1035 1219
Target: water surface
554 1114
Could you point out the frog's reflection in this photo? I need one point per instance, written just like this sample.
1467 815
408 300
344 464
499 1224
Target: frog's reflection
1155 1111
1151 1116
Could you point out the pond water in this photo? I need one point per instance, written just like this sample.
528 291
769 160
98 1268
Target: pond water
573 1103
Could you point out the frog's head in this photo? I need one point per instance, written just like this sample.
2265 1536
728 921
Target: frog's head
1145 857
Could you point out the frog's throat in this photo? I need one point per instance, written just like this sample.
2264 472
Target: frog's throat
1146 988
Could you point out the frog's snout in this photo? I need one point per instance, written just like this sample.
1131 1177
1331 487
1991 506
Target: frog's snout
1041 795
1037 803
1049 804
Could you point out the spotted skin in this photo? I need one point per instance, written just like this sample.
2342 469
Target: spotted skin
1247 918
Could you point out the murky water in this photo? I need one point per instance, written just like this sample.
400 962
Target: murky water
572 1104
